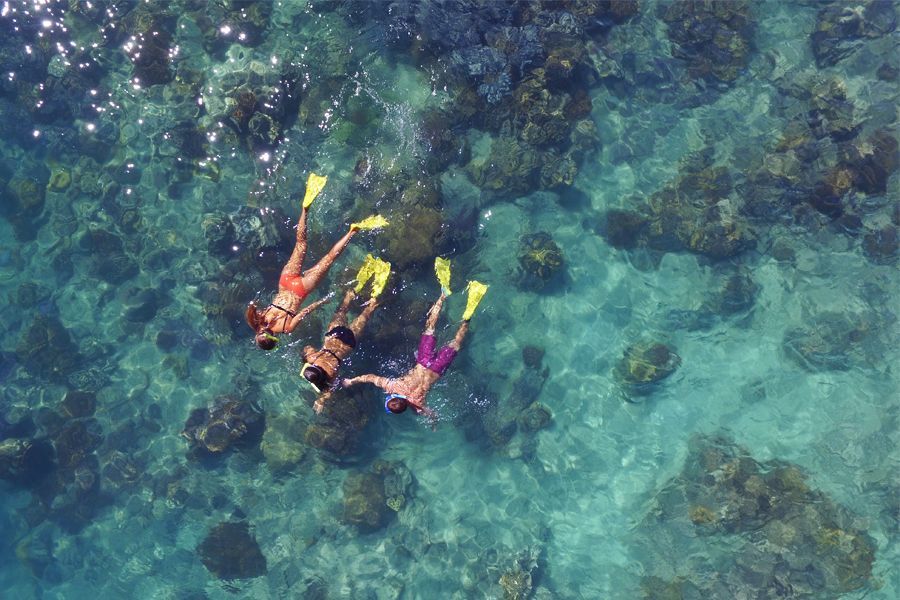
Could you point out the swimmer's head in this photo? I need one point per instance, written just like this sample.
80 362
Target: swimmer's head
316 376
265 340
396 404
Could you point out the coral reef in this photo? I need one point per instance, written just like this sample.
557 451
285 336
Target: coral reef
282 443
644 364
399 483
416 238
418 230
337 429
811 545
532 356
880 245
66 489
541 262
47 350
713 37
365 503
230 551
509 167
107 258
840 28
149 46
25 461
736 295
21 203
518 580
834 341
228 422
521 74
371 498
696 213
78 404
221 24
622 229
519 410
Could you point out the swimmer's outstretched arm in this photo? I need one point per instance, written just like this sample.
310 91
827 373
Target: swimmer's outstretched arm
376 380
319 404
305 313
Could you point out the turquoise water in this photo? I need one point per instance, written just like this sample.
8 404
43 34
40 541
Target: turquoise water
682 380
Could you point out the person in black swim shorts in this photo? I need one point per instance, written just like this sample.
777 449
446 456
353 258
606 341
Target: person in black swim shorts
321 367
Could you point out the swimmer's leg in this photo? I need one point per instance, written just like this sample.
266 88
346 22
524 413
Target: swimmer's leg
313 276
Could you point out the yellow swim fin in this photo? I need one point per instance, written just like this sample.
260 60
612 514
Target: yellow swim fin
379 280
442 270
373 222
476 292
365 273
314 185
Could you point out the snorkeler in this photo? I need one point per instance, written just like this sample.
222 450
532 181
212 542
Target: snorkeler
411 389
294 285
320 367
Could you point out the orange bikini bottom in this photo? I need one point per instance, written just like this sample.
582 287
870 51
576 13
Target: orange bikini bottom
293 284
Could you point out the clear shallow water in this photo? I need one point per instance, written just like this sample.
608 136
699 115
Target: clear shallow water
585 505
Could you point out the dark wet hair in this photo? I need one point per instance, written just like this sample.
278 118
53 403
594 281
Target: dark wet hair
316 375
253 317
396 405
265 340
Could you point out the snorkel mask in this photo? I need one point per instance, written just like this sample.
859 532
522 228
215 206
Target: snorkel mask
266 340
321 379
395 403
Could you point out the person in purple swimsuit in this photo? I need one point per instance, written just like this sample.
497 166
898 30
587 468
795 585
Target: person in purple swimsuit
411 389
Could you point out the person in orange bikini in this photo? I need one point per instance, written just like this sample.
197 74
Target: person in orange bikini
282 315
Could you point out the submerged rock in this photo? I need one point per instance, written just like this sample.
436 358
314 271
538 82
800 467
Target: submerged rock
76 442
46 349
365 502
811 545
518 580
714 38
77 403
511 167
25 461
623 228
831 341
282 443
338 428
697 212
108 259
150 43
398 483
646 363
737 294
532 356
535 417
841 28
880 245
541 261
21 203
331 438
520 407
229 551
228 422
415 238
